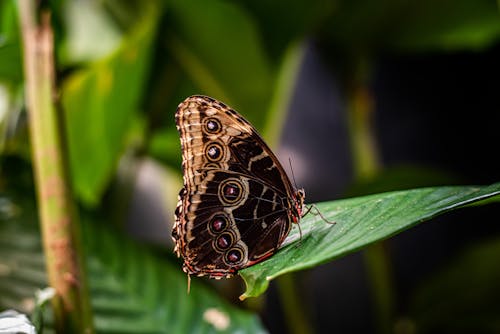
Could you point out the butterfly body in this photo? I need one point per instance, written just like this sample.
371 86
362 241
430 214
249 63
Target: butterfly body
237 204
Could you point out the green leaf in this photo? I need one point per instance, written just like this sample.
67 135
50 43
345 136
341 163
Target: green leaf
359 221
81 44
302 18
217 45
133 289
449 26
414 25
10 46
100 103
283 92
22 266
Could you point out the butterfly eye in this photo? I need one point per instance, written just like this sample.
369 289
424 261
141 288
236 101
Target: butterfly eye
217 224
230 191
212 125
234 256
214 152
224 241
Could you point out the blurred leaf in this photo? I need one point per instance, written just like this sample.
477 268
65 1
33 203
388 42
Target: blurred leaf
449 25
100 103
10 61
22 266
283 92
84 20
147 294
462 298
218 46
282 22
166 147
10 50
132 289
43 308
8 24
414 25
359 221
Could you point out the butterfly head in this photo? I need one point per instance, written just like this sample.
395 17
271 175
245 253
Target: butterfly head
298 204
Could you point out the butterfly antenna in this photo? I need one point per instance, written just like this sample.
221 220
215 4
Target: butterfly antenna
295 184
293 176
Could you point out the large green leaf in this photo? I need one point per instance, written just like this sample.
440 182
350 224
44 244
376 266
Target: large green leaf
100 103
133 289
359 221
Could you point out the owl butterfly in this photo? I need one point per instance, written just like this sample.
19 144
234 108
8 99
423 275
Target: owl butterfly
237 205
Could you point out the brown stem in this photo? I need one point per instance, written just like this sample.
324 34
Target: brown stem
57 212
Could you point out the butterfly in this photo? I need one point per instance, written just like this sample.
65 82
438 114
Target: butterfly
237 205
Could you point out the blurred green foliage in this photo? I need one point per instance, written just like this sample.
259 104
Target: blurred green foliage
125 62
133 289
122 68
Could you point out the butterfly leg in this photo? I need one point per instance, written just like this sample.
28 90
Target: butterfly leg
300 232
312 206
189 284
307 211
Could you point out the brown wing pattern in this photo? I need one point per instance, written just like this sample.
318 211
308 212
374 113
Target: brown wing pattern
235 207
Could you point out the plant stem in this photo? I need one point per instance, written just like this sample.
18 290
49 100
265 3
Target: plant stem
293 309
367 165
283 92
57 211
378 267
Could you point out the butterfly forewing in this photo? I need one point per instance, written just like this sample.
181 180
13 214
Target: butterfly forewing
237 203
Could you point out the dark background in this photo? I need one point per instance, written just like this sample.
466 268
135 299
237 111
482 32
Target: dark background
439 112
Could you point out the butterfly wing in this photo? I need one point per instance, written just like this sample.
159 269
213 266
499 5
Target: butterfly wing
234 209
